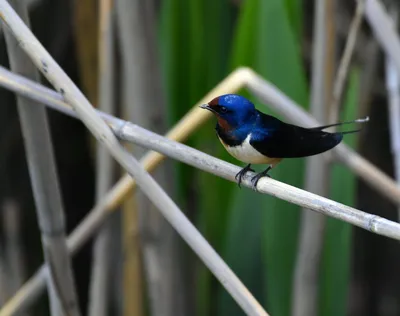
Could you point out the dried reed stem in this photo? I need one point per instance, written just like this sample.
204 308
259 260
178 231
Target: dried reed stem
306 275
52 71
143 98
102 262
133 133
242 77
42 170
393 89
283 105
188 124
382 26
12 268
369 69
344 66
13 243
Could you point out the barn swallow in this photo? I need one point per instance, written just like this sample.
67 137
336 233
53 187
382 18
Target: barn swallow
257 138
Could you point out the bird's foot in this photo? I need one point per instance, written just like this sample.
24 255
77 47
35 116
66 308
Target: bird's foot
242 172
254 180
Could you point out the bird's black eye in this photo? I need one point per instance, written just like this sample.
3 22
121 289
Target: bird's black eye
223 109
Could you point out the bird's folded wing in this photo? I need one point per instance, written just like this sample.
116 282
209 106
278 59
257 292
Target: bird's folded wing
276 139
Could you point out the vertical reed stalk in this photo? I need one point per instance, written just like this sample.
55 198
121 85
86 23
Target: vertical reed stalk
14 249
42 169
5 292
344 66
102 262
306 279
393 90
93 121
145 105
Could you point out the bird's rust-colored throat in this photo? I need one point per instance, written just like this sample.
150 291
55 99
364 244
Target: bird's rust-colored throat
223 124
212 106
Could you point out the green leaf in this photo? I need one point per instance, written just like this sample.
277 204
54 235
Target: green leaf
175 59
245 37
243 246
194 60
216 42
200 35
294 9
279 61
243 249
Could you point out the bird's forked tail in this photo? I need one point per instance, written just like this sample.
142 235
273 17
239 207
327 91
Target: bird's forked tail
364 120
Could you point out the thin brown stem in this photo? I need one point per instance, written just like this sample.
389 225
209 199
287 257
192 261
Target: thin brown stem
344 65
100 291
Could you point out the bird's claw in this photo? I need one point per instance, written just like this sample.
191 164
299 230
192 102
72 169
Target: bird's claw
257 177
241 173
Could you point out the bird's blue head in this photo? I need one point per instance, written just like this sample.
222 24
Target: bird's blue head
231 110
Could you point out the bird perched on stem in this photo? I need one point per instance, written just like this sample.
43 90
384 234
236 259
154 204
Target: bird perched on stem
257 138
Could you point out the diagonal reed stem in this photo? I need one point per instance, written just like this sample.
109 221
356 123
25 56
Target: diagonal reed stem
43 174
283 105
188 124
242 77
145 103
180 132
133 133
52 71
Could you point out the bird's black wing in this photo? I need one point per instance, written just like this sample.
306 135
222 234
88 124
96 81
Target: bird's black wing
276 139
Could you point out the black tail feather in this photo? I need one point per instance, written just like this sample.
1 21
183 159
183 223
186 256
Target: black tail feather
320 128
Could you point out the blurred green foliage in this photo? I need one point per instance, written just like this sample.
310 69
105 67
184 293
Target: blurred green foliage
201 42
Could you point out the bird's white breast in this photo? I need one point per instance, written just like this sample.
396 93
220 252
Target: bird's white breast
246 153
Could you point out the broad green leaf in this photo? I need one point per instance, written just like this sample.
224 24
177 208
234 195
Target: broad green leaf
294 9
264 39
175 57
245 37
206 41
279 61
182 53
243 249
194 59
243 246
216 44
335 269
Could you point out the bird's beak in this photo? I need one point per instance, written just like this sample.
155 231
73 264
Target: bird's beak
207 107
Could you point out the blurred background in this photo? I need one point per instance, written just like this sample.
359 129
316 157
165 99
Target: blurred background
166 56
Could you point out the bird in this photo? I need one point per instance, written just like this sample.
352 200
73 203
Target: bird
254 137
